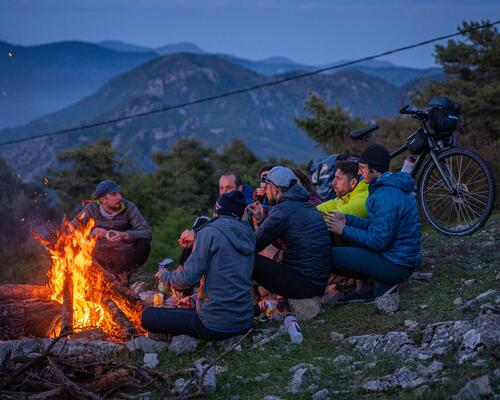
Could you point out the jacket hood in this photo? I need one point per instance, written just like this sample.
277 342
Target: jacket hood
238 233
296 192
400 180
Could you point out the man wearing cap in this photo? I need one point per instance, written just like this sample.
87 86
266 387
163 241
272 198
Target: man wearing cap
297 227
222 262
387 243
123 236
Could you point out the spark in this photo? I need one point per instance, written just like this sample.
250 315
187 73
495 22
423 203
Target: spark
45 181
10 54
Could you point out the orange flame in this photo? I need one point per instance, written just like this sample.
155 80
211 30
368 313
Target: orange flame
72 255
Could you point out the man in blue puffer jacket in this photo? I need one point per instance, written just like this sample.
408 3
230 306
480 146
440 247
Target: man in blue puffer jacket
387 243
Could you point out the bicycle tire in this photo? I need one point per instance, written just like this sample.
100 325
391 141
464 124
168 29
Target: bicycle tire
464 205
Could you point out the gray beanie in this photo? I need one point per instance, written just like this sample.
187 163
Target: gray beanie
105 187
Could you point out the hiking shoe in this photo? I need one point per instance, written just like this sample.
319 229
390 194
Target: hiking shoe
354 297
381 291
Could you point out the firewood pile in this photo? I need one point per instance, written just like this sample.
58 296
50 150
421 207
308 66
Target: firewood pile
62 368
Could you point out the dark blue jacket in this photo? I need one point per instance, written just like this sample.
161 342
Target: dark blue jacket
393 224
301 231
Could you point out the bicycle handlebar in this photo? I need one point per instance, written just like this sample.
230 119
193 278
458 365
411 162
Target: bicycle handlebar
417 114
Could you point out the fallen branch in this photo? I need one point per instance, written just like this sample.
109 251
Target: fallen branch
199 392
76 390
267 340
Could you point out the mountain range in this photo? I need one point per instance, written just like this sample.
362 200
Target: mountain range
263 119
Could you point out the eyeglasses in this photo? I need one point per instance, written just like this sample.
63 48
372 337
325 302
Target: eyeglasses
263 178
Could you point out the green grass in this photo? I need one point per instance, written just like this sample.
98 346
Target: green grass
451 260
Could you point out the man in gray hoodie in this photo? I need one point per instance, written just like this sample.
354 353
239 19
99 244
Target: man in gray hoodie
222 262
123 235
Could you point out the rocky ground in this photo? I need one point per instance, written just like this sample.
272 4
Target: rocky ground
443 341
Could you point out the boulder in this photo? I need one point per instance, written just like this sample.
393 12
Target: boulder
321 395
305 309
475 389
302 377
437 338
146 344
388 303
183 343
151 360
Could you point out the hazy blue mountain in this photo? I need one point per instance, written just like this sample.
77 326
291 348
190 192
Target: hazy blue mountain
181 47
277 60
40 79
262 118
118 45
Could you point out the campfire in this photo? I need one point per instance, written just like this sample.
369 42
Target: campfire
79 296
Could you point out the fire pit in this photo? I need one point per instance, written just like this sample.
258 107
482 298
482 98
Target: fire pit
79 295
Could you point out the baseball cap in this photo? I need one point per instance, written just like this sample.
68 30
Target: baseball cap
281 177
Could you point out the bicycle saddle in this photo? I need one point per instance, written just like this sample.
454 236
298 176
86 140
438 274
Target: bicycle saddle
362 133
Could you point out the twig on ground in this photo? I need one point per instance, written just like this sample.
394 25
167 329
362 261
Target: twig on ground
267 340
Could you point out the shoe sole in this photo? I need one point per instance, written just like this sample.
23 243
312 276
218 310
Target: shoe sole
389 291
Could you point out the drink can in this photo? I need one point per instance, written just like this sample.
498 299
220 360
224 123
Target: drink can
158 299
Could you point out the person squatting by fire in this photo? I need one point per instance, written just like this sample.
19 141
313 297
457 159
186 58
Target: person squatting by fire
123 235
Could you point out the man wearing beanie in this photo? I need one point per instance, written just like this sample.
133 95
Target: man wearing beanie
222 262
123 236
386 245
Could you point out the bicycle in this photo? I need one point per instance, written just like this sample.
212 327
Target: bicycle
456 187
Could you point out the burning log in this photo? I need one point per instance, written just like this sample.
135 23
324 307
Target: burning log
23 292
128 330
27 318
67 305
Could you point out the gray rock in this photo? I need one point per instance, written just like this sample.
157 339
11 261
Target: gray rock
487 327
272 397
343 359
438 337
465 355
388 303
262 377
151 360
337 338
480 298
321 395
146 344
183 343
458 301
404 378
420 276
475 389
312 388
301 378
411 324
421 391
393 343
471 339
480 363
210 379
423 306
300 366
432 369
469 282
219 369
180 384
305 309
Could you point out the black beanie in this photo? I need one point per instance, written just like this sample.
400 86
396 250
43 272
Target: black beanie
232 204
377 157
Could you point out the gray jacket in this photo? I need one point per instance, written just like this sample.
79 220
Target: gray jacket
129 220
223 253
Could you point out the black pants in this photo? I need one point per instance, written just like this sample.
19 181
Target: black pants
181 321
280 279
122 257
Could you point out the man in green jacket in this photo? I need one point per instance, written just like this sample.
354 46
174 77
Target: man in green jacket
350 189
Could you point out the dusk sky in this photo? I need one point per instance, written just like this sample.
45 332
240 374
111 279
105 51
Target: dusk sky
311 32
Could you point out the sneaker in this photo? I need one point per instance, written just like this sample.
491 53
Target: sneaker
354 297
382 291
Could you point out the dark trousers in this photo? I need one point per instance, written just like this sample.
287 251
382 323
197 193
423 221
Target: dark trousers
181 321
122 258
280 279
359 263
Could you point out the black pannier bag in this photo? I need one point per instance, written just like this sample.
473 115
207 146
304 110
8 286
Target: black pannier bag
322 172
417 142
443 115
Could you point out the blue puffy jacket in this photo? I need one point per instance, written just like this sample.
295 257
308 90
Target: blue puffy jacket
393 224
295 225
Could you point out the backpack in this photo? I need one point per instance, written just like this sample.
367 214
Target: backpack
322 171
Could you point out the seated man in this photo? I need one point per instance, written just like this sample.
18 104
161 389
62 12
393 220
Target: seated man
350 189
387 243
228 182
222 259
123 236
298 228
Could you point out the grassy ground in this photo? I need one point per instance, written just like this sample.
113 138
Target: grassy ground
451 260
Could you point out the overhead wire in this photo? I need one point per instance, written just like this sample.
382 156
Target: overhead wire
248 89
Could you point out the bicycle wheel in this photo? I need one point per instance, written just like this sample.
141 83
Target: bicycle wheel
466 207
